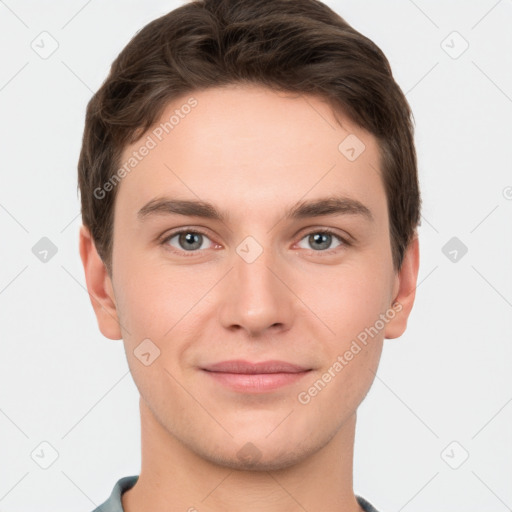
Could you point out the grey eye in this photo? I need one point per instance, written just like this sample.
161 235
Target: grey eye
320 241
188 241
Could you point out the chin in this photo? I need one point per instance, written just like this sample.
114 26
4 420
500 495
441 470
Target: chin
258 455
260 460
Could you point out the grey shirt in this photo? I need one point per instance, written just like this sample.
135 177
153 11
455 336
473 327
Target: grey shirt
113 504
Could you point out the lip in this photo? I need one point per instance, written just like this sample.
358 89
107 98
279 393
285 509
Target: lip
257 377
246 367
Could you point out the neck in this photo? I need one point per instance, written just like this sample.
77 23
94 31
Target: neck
172 475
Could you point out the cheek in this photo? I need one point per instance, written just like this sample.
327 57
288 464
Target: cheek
346 301
149 292
147 305
152 313
352 353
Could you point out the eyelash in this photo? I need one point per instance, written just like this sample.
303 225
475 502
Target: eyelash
186 254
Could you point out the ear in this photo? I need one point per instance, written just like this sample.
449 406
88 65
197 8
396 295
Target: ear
99 286
405 290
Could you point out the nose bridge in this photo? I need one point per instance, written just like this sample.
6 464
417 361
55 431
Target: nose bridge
252 263
254 298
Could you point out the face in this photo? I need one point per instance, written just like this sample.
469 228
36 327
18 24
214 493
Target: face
254 231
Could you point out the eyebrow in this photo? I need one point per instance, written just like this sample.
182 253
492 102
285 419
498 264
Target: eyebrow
302 210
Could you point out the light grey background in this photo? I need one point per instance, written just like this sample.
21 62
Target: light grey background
443 390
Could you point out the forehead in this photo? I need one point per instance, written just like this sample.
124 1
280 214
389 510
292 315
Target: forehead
244 145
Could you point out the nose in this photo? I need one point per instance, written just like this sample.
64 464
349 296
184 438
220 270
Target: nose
255 295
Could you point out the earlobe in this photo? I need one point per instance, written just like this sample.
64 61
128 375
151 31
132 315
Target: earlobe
99 286
407 282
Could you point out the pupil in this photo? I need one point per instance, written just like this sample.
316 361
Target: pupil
317 239
192 240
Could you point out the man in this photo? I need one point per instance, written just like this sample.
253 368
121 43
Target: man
250 201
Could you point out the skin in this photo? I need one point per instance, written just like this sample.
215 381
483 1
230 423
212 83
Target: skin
254 154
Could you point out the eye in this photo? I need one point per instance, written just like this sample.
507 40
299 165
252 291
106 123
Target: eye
322 240
188 240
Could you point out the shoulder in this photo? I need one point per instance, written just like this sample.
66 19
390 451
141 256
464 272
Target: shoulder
113 503
365 504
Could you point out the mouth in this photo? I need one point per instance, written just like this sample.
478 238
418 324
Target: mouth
259 377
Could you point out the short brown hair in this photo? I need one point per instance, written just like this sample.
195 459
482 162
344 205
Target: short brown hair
299 46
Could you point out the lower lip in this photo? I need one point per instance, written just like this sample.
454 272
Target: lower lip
256 383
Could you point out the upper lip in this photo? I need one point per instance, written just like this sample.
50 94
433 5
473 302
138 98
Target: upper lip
240 366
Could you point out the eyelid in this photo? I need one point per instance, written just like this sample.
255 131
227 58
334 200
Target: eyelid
345 237
183 229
